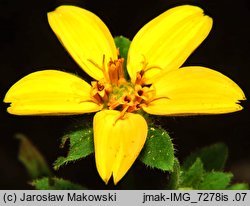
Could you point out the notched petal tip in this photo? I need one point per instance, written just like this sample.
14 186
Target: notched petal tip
167 41
85 36
50 92
117 142
195 90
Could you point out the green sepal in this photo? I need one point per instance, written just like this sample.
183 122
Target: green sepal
174 178
55 183
213 157
158 151
32 159
239 186
123 43
215 181
193 176
81 145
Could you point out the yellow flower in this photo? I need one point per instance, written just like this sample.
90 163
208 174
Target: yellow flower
158 85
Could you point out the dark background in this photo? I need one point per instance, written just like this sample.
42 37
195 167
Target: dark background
28 45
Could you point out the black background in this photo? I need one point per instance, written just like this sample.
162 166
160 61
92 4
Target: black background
28 45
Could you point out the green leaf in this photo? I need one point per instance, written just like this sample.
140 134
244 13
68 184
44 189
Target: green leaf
193 176
123 44
215 181
32 159
81 145
238 186
158 151
174 179
213 157
55 184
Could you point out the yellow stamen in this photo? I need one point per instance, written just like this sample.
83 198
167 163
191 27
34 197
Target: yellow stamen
120 68
102 68
140 75
121 114
113 72
116 72
100 91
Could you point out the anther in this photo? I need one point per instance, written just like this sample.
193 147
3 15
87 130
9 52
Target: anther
140 92
99 91
127 99
100 87
113 72
120 68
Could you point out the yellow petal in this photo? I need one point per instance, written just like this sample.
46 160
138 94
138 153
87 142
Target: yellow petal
195 90
85 37
50 92
168 40
117 142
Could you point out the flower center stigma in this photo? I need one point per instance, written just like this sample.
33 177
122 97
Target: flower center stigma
114 92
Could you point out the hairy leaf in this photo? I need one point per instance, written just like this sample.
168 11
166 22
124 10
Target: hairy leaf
158 151
81 145
194 175
213 157
215 181
55 184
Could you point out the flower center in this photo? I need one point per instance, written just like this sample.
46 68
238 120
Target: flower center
116 93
